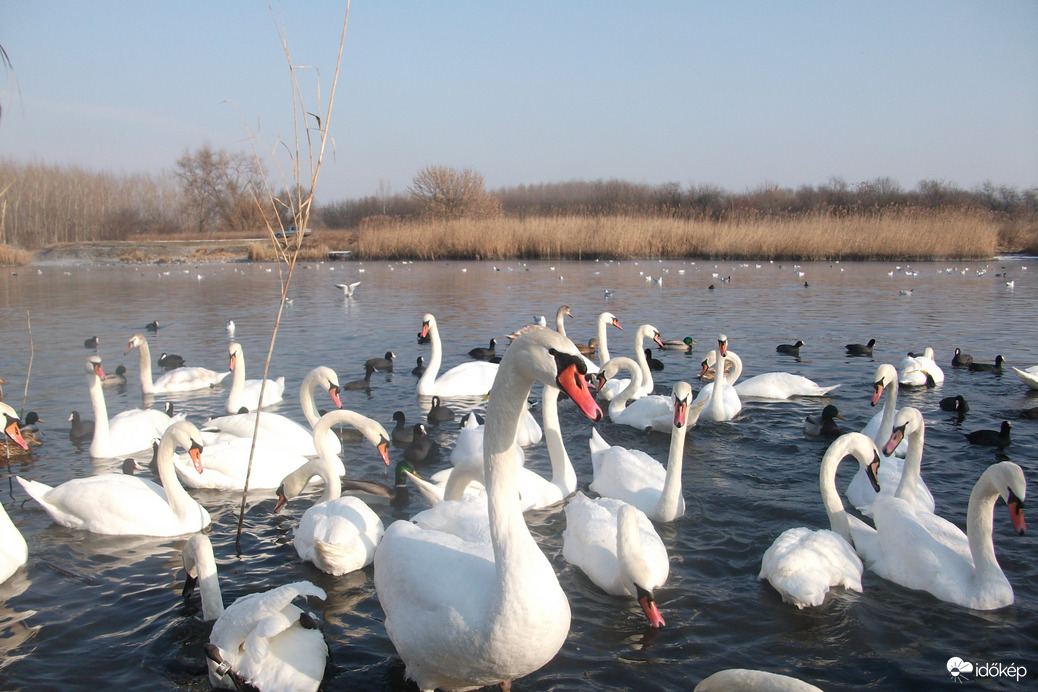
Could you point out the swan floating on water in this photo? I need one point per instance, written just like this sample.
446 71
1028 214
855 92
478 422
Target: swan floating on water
474 378
246 393
183 379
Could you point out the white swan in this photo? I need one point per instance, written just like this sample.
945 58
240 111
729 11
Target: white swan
338 534
747 680
655 411
260 641
727 404
879 427
922 551
13 550
128 432
117 504
613 387
177 380
904 480
617 547
245 393
803 564
473 378
226 464
604 321
768 385
461 616
918 371
281 431
635 477
1028 376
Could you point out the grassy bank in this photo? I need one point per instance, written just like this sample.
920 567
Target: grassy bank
908 234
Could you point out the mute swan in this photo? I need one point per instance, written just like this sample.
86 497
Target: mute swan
338 534
919 371
281 431
541 323
117 504
635 477
655 411
727 404
128 432
245 393
605 319
474 378
904 481
462 616
13 551
261 641
803 564
179 380
769 385
617 547
925 552
746 680
1029 376
613 387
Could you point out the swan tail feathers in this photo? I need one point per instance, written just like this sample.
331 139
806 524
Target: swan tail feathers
432 493
338 558
35 489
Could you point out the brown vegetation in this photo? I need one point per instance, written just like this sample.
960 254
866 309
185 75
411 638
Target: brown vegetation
10 255
919 234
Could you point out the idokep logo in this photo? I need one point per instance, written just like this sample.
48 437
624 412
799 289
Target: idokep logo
961 670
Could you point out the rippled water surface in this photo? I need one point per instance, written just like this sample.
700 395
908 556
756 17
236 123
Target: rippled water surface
91 611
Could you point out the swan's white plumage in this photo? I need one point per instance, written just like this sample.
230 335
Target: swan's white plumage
458 617
925 552
1028 376
613 387
804 564
914 370
654 411
13 550
246 393
184 379
259 635
128 432
117 504
474 378
633 476
226 462
769 385
615 545
727 405
338 534
747 680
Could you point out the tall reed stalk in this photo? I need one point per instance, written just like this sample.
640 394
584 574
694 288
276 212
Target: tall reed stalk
299 203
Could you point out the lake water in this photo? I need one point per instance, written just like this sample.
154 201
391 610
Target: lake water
97 612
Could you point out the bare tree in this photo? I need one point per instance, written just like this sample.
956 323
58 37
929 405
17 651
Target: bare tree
445 193
216 190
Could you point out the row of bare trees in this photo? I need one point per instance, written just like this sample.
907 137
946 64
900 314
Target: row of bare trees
215 193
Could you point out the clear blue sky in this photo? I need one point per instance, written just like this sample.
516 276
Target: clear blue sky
734 94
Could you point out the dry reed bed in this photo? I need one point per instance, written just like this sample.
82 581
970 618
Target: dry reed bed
915 234
10 255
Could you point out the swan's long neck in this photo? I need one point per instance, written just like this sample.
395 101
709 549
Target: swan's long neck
630 558
603 342
144 364
425 382
560 321
102 439
306 399
838 521
643 363
886 423
562 474
199 559
979 525
906 488
182 504
237 378
513 545
619 402
732 377
717 393
670 506
322 467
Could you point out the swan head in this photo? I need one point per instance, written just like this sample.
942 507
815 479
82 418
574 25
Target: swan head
234 353
135 341
94 369
610 318
1012 486
635 573
329 381
682 398
908 421
428 324
12 425
566 366
647 331
722 344
885 376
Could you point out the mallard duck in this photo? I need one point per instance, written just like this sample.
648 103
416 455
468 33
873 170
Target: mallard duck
823 424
